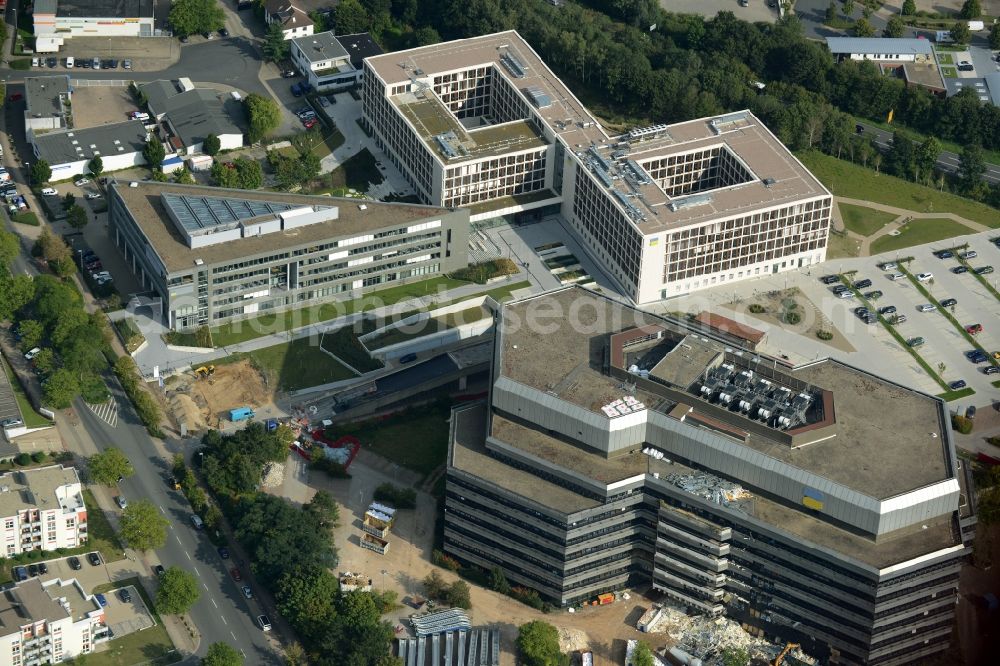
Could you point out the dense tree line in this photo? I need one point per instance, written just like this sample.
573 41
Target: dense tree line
291 549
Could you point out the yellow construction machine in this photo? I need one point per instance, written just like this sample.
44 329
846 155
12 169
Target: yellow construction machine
784 653
204 371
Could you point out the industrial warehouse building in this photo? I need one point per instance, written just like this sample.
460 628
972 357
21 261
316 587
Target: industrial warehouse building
483 123
57 20
213 254
820 504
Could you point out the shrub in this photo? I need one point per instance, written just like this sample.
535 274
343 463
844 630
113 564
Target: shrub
332 468
961 424
20 63
528 597
792 317
442 560
756 308
38 456
824 335
995 441
22 459
400 498
487 270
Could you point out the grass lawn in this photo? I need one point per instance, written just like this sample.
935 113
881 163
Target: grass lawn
428 326
840 246
918 232
295 365
948 396
417 438
857 182
102 535
254 327
150 646
945 58
949 72
28 218
863 220
357 173
32 419
345 345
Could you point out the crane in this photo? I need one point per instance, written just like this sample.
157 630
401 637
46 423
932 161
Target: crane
781 656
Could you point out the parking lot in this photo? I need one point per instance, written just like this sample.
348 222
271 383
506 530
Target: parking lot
126 617
756 10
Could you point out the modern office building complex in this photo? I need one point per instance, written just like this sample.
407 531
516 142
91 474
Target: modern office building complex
42 509
214 255
818 504
483 123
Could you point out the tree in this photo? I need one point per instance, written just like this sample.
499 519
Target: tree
10 247
189 17
275 47
459 595
15 293
154 152
69 201
108 466
971 167
862 28
306 597
40 172
848 8
31 332
995 36
927 155
97 166
178 592
734 656
249 174
961 33
642 655
183 176
211 145
909 7
971 9
295 655
498 581
831 11
222 654
77 217
894 27
263 115
60 389
45 361
142 526
350 17
538 645
324 509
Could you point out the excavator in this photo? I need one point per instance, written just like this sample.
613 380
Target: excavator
784 653
204 371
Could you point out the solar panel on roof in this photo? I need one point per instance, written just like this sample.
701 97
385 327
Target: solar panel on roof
538 97
197 214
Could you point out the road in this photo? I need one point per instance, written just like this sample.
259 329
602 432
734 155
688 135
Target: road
812 14
221 614
947 161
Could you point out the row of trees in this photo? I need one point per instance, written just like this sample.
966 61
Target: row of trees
291 550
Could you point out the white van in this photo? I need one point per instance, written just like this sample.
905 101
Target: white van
196 521
70 63
50 191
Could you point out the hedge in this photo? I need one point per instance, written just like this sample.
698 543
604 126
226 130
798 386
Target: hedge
145 405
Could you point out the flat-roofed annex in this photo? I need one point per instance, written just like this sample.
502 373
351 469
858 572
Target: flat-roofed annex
556 343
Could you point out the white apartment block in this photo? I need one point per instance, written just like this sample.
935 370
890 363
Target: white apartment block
50 622
42 509
332 62
483 124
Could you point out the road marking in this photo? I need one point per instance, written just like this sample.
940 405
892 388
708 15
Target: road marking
204 586
223 618
198 573
162 510
234 638
215 604
178 538
188 554
106 411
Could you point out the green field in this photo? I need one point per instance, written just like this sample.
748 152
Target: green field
32 419
945 58
417 438
428 326
949 72
840 245
918 232
294 365
266 324
150 647
102 536
851 180
863 220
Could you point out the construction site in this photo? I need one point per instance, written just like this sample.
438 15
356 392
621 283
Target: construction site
203 397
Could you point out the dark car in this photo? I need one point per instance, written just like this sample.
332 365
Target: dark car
224 553
958 270
43 568
873 295
94 558
976 356
125 595
408 358
223 32
86 63
970 412
235 573
296 90
887 310
19 574
957 384
944 254
51 62
74 563
948 302
159 570
858 128
863 284
991 370
184 39
838 288
983 270
32 570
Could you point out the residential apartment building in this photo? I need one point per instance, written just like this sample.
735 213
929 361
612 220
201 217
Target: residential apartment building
333 62
42 509
214 255
816 504
483 123
48 623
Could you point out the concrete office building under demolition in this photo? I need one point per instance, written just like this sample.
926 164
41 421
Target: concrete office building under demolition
818 504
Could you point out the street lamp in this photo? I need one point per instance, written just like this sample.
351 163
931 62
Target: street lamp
383 579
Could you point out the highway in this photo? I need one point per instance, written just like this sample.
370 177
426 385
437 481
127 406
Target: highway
222 613
947 161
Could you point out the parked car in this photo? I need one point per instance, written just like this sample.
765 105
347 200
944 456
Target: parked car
235 573
74 563
247 592
887 310
32 570
968 254
926 307
915 342
92 195
223 32
125 595
94 558
948 302
944 254
974 329
264 622
43 568
51 62
50 191
10 422
839 288
296 89
223 552
991 370
958 270
17 97
983 270
965 66
925 277
121 501
33 352
101 599
19 574
957 384
970 412
127 64
159 570
863 284
976 356
873 295
889 265
845 294
324 102
309 124
82 182
896 276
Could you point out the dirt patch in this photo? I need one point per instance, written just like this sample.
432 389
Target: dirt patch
203 403
101 105
791 310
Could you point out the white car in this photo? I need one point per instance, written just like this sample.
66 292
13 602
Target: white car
33 353
122 502
889 265
82 182
926 307
93 195
925 277
50 191
896 276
